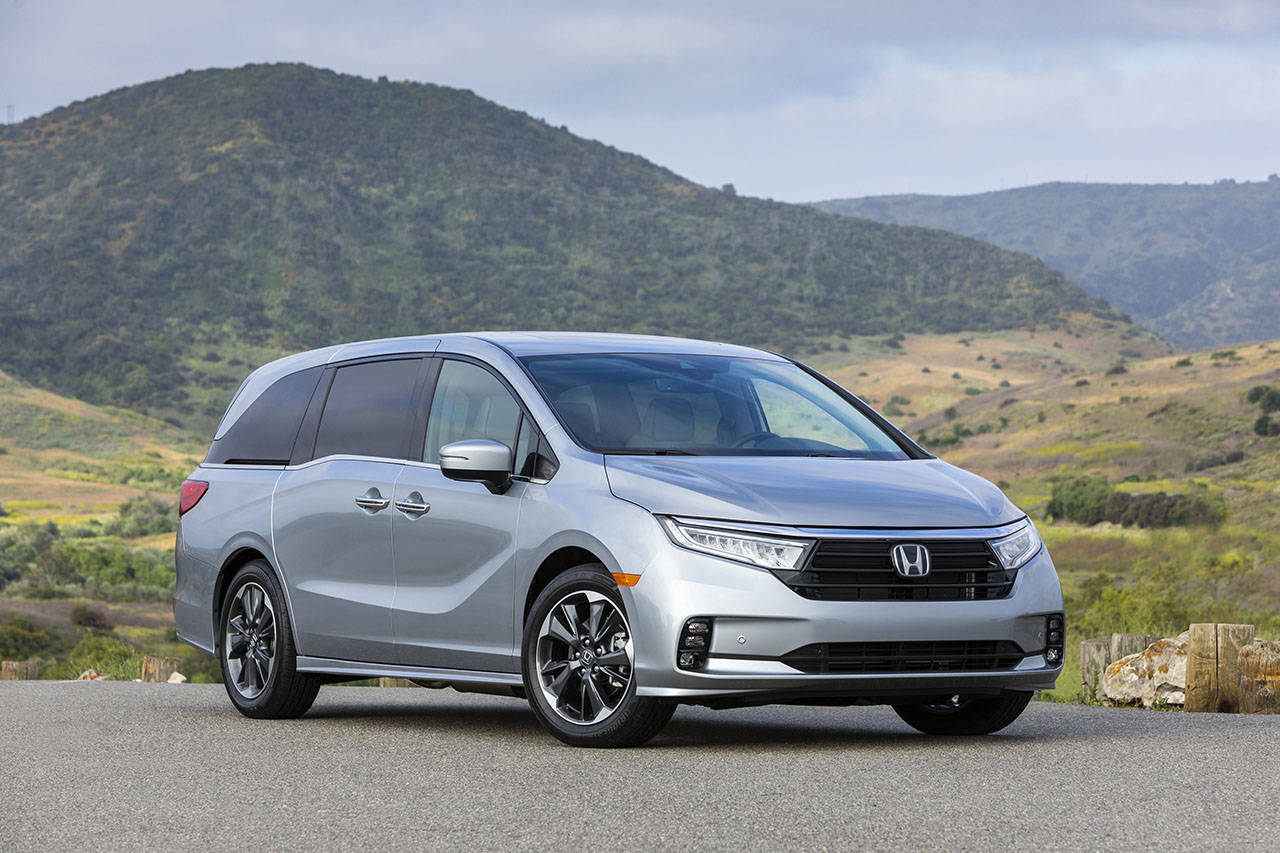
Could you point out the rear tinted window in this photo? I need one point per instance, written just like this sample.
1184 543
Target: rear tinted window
369 410
264 434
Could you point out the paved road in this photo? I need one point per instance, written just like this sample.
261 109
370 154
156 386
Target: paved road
98 765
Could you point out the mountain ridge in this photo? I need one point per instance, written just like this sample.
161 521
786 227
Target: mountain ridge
152 235
1197 263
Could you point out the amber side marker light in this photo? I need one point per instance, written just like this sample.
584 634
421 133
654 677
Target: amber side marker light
625 580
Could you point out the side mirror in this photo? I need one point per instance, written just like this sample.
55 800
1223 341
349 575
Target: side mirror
478 460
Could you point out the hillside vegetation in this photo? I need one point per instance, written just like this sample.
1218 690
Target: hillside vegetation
157 241
1154 478
1200 264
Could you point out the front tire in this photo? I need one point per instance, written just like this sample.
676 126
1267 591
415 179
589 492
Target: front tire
961 716
259 661
578 664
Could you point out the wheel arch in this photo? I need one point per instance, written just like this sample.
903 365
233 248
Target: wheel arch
554 564
234 562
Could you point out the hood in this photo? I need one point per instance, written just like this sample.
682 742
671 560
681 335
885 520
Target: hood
811 491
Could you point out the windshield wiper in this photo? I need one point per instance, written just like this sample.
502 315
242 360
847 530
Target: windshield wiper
662 451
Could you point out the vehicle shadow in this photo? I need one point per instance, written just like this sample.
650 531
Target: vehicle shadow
689 729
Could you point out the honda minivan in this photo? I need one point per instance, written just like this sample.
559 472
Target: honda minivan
608 526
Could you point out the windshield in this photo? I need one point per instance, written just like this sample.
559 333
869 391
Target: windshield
704 405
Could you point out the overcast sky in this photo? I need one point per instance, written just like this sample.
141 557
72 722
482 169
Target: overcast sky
790 100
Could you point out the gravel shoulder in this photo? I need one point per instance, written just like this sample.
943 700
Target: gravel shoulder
96 765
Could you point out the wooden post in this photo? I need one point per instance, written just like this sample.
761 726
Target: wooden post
1123 645
395 682
1202 667
158 669
1094 656
19 670
1259 664
1231 638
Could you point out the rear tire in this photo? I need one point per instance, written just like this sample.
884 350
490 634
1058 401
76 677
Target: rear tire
978 716
256 651
585 693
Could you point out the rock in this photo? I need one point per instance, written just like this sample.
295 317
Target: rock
176 678
1260 678
1156 674
89 675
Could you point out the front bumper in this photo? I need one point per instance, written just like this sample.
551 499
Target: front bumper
757 620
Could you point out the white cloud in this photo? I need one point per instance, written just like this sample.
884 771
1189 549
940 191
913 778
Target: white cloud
1129 91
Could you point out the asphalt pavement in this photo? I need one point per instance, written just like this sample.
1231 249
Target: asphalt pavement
95 765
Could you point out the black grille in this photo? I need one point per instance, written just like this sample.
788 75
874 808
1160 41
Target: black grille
941 656
861 570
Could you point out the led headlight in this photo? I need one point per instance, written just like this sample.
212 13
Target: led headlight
1014 550
763 551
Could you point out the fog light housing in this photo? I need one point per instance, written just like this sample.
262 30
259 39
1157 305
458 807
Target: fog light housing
1055 632
695 640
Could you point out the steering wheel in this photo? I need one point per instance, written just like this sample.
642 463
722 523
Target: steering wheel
754 438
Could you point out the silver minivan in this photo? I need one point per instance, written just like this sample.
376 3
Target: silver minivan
608 526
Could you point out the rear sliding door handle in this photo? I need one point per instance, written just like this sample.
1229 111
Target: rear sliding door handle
372 501
414 505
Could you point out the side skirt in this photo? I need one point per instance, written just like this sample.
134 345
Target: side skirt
357 669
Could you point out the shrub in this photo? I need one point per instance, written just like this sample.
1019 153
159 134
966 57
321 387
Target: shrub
88 616
103 652
1182 362
143 516
1265 426
1270 401
1089 500
1116 370
1215 460
949 413
1083 500
972 392
1080 383
1256 393
23 639
955 375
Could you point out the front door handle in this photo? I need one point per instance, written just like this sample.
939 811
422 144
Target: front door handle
372 501
414 506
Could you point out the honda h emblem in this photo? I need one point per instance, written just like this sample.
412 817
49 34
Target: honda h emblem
910 561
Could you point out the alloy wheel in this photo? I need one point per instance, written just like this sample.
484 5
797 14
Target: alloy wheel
584 657
250 641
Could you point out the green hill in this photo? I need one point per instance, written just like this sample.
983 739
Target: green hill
156 240
1200 264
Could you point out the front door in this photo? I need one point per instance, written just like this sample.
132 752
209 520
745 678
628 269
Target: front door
332 514
454 543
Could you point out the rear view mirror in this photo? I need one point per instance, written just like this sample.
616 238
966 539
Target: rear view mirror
478 460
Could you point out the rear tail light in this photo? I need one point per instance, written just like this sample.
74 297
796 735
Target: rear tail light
192 492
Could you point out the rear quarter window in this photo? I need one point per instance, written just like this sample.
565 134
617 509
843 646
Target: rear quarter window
265 433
